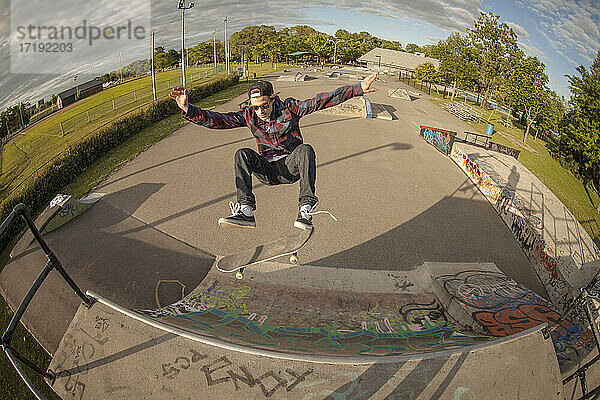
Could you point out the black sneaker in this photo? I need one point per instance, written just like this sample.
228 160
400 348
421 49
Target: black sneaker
237 219
304 220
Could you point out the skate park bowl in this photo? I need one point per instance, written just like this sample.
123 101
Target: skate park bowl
402 306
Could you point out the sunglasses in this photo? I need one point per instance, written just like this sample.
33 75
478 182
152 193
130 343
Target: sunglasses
263 107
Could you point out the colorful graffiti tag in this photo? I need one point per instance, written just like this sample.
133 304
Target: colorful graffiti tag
527 234
503 307
490 188
440 139
237 313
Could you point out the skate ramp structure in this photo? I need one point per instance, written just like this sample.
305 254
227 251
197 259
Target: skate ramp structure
317 332
399 93
297 77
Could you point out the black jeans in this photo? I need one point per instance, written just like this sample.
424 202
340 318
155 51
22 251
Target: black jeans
300 165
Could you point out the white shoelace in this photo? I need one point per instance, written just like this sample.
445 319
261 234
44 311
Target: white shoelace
236 208
311 213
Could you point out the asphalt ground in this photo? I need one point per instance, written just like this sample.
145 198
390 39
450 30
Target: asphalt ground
399 203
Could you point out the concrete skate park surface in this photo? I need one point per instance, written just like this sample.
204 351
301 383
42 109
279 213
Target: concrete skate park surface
153 238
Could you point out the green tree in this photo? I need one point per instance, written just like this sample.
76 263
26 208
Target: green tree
426 72
580 129
495 51
552 113
202 53
173 57
301 30
391 45
160 59
455 55
527 89
412 48
319 43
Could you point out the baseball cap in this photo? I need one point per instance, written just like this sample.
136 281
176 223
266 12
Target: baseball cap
260 88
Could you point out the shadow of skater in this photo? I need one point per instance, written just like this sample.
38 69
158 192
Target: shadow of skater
513 180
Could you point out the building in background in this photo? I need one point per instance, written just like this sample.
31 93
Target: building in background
395 61
78 92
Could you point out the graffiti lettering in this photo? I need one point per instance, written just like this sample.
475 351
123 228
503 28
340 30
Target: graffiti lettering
439 138
102 324
221 370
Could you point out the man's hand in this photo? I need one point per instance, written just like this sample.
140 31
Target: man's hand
181 97
366 83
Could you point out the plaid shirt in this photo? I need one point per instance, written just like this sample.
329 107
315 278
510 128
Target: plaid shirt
280 135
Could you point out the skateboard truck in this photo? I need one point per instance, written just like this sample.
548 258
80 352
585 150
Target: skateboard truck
239 274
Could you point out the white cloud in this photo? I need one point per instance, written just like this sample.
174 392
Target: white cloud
518 29
532 50
571 27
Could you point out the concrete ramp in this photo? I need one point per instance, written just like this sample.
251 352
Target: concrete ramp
354 107
298 77
297 333
484 300
62 209
375 110
399 93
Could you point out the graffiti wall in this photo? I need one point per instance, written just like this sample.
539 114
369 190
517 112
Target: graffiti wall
528 235
315 322
440 139
488 186
502 307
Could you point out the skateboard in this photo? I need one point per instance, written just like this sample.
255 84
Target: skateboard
286 246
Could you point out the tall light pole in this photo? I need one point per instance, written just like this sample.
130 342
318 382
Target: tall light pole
226 43
152 66
181 5
215 47
120 69
77 85
335 47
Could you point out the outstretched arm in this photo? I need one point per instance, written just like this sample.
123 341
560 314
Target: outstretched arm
339 95
206 118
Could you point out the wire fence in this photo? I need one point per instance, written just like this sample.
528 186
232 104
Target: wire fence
119 104
105 113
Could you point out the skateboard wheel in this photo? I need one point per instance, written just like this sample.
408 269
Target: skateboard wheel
294 259
239 275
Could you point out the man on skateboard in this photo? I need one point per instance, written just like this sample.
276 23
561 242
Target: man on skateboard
282 156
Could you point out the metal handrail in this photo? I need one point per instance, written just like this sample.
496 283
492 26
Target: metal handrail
53 263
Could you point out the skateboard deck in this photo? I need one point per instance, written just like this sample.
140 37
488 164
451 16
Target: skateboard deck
285 246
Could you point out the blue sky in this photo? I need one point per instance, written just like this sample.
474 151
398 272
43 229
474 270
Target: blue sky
562 34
